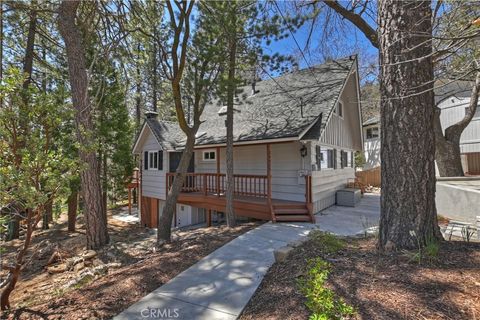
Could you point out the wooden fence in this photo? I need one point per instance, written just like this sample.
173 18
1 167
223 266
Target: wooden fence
473 163
370 177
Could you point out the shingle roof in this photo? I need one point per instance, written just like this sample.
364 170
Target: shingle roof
446 88
281 108
168 134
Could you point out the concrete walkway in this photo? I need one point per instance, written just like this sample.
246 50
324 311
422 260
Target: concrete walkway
220 285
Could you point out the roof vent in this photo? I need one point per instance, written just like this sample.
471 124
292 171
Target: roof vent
223 111
151 114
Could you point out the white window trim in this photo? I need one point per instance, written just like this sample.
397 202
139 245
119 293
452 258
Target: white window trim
208 151
372 138
150 163
325 159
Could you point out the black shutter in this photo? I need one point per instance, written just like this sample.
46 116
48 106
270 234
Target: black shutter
145 160
160 160
318 154
341 159
353 159
334 158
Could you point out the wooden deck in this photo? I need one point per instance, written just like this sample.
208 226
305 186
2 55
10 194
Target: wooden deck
252 197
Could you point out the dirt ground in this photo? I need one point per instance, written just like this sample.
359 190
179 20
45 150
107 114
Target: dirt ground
389 286
137 268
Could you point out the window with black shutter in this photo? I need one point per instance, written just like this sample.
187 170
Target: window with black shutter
145 160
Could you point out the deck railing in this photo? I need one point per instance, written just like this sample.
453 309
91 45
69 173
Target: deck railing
215 184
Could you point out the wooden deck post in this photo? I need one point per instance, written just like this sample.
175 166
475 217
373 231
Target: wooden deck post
269 181
129 200
209 218
218 170
308 197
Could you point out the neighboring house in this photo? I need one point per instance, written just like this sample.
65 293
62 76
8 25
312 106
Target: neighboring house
371 145
294 140
453 99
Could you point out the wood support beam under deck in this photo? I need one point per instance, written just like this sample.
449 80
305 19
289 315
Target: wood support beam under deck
269 180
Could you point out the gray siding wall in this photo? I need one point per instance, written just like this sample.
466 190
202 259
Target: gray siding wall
453 110
342 133
252 159
153 180
345 131
326 182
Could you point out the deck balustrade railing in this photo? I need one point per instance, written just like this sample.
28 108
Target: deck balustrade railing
215 184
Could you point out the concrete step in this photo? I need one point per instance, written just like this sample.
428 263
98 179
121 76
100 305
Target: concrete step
291 218
291 211
289 205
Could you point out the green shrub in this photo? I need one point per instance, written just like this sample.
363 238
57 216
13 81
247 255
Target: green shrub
321 301
429 252
328 242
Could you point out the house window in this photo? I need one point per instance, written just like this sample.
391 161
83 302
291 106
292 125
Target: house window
209 155
372 133
152 160
340 109
344 159
349 159
325 158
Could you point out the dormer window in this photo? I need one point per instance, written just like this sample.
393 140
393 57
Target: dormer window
340 109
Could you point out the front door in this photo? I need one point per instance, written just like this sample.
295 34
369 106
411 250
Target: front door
175 161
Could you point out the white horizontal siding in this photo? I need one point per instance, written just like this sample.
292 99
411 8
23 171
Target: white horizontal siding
153 180
326 182
252 159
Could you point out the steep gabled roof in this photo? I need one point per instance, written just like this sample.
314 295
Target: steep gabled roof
294 105
282 107
168 134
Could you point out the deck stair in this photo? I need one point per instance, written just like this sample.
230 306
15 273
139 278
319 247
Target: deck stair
292 213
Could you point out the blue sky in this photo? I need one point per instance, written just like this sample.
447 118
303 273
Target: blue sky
349 40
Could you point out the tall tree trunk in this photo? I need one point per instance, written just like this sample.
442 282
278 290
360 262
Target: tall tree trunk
138 92
95 220
23 124
48 214
230 212
72 210
32 30
165 220
1 45
448 154
154 73
409 216
32 220
104 185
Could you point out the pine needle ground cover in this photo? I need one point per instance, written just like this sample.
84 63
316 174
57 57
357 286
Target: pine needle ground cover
360 283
